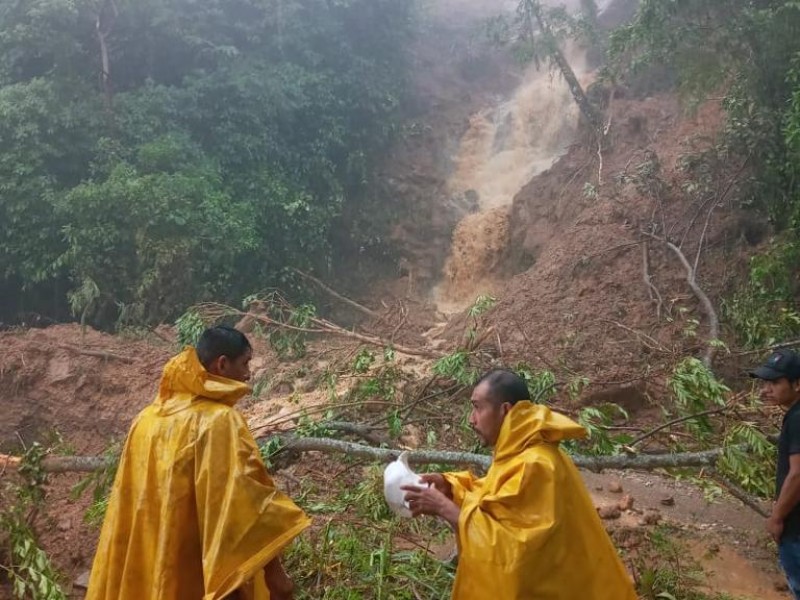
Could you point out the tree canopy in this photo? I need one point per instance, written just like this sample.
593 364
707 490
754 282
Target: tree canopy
162 152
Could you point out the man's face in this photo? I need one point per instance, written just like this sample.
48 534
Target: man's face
486 417
780 392
237 369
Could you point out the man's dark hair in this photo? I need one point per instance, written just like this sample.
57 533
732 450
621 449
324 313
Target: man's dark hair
221 341
505 386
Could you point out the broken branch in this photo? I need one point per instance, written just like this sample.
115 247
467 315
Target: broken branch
214 310
97 353
654 294
738 493
668 424
713 319
337 295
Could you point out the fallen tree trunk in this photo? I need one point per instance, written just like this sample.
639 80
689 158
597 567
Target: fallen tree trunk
60 464
643 462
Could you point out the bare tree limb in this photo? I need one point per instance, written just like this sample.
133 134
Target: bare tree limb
106 17
790 344
713 319
365 432
738 493
600 162
320 326
656 345
652 290
351 303
703 235
701 205
668 424
97 353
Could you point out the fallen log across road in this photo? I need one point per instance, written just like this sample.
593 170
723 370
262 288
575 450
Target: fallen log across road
640 462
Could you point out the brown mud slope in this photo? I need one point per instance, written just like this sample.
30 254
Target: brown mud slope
85 386
577 298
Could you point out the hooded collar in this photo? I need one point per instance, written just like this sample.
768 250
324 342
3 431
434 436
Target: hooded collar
185 380
528 424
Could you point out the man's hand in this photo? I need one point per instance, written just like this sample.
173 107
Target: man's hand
280 585
431 501
775 528
438 481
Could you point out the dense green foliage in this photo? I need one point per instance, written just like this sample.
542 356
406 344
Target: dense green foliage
216 150
747 51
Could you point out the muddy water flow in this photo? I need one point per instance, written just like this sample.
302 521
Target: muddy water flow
505 146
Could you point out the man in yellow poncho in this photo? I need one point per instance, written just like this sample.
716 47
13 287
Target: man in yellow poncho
528 530
193 513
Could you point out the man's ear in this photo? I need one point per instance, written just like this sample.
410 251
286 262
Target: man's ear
507 406
218 365
223 363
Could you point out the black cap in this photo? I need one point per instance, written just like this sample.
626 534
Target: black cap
783 363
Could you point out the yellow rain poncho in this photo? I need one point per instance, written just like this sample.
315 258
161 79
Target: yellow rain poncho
529 530
193 514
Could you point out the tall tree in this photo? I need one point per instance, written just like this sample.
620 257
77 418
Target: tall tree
534 12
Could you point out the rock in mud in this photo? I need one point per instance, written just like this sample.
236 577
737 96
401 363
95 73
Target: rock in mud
626 503
651 517
781 586
667 501
65 524
615 487
83 580
609 512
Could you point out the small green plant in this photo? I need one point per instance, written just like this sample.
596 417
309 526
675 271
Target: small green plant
575 387
290 343
83 299
456 366
307 427
696 390
261 386
32 575
541 384
100 482
190 325
763 311
367 497
383 384
482 305
269 450
597 420
752 467
330 378
395 422
363 361
344 561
